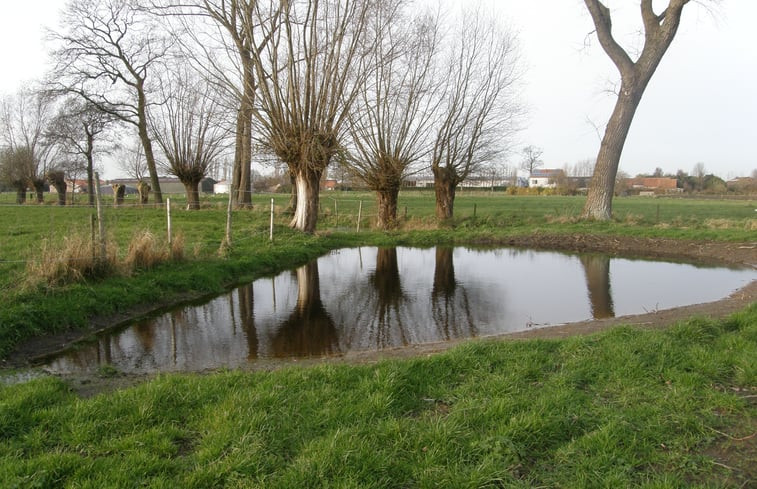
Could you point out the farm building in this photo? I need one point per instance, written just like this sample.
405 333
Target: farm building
545 178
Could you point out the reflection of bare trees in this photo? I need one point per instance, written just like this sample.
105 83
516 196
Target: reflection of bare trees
309 330
247 318
381 321
597 270
450 305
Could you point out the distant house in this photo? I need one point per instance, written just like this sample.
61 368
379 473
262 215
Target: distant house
545 178
222 187
421 181
330 184
168 185
76 186
653 184
485 182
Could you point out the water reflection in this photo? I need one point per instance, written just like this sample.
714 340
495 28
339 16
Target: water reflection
376 298
309 330
450 304
597 271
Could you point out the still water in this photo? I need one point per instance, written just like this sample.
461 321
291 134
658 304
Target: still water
361 299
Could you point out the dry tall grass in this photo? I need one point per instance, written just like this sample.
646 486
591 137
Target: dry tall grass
146 251
74 260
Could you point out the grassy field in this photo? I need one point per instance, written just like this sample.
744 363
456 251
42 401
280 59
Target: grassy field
32 308
625 408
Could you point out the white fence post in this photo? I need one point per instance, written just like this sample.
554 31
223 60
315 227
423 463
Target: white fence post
100 218
270 234
168 219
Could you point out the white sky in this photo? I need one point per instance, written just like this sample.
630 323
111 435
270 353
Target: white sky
701 105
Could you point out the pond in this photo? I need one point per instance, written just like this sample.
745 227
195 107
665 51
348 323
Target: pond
364 299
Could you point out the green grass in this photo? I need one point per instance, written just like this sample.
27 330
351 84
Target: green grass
480 216
625 408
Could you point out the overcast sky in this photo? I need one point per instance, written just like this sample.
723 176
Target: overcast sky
701 105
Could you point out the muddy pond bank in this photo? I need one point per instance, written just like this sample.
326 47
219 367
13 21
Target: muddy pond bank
711 253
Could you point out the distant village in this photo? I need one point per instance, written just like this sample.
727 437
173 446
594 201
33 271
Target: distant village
540 181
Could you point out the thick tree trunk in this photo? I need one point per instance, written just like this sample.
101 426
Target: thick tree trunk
602 187
236 171
119 191
192 189
245 184
307 181
39 190
61 188
20 193
144 192
243 150
90 171
444 186
292 205
387 207
147 145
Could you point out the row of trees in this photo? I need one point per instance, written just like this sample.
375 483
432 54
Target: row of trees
379 85
382 86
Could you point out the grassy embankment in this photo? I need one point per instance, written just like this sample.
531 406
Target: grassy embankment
31 310
624 408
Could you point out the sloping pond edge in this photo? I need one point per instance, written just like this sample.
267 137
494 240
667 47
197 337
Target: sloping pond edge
698 252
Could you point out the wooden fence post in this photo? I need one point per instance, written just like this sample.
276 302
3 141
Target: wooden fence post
168 219
359 215
100 218
270 234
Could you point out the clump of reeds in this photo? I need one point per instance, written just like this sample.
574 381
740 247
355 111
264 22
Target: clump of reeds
73 260
746 224
146 251
77 258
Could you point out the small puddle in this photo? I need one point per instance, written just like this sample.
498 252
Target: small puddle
364 299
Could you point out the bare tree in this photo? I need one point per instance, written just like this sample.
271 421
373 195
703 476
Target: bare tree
190 129
130 158
308 74
13 170
479 112
531 158
76 128
659 31
24 120
391 118
106 54
223 51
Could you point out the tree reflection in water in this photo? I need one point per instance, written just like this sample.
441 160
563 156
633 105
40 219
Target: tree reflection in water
376 313
408 296
597 271
247 318
309 330
450 304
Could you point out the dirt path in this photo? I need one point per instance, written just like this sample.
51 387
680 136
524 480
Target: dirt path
714 253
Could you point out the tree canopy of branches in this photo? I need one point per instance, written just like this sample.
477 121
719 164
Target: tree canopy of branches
308 72
531 158
659 31
391 118
24 120
76 129
106 53
190 129
222 49
479 111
